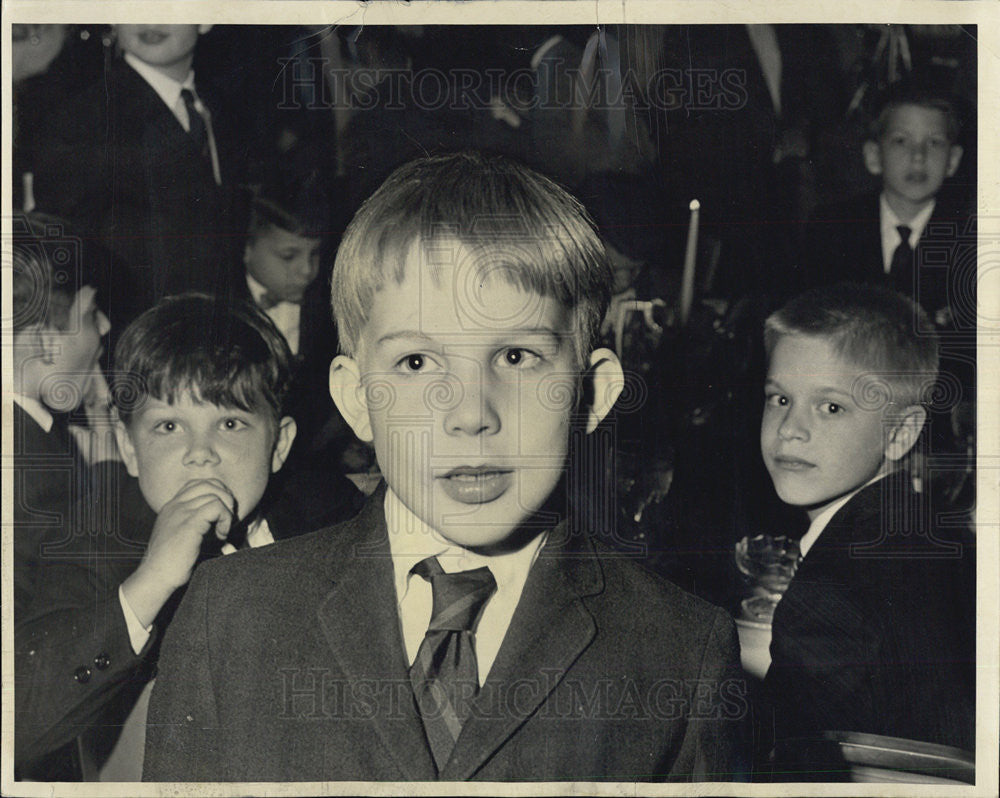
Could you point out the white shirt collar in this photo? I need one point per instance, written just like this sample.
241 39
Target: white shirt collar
35 409
890 221
168 89
411 540
256 289
819 523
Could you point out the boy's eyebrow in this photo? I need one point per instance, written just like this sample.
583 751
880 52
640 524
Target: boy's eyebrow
410 335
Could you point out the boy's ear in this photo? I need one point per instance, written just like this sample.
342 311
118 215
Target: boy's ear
606 383
283 445
126 447
348 395
905 432
873 157
954 159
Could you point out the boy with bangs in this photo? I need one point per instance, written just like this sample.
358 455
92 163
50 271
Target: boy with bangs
454 630
875 633
198 388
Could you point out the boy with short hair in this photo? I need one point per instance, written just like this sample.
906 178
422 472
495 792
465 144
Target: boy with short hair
453 630
199 388
876 631
912 148
58 332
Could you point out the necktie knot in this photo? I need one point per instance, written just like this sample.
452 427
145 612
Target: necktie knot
268 301
459 598
904 235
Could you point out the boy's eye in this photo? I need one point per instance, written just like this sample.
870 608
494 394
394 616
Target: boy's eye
775 400
522 358
165 426
234 424
832 408
415 362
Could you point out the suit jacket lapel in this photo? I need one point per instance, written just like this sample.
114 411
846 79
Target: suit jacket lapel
361 623
550 629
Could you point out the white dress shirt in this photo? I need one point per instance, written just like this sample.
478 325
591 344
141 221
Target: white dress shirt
35 409
169 90
411 540
287 316
890 235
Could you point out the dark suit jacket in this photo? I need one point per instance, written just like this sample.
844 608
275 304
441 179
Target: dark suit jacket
606 672
51 480
876 631
118 163
76 624
844 244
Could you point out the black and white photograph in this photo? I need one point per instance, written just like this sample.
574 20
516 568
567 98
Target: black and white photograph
576 397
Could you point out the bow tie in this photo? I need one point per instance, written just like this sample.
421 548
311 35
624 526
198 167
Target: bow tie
269 300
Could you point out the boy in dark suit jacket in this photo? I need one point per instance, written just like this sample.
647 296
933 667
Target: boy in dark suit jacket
895 237
288 243
198 389
58 332
875 633
143 161
454 629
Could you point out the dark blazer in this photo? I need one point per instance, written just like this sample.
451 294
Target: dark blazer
844 244
76 670
876 632
50 480
288 664
118 163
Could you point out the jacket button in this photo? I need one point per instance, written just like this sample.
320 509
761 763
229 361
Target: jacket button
82 674
102 661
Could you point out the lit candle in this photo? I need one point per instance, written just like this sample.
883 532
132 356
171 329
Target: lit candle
687 282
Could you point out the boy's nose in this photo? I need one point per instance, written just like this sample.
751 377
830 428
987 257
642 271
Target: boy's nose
918 151
201 451
792 427
474 412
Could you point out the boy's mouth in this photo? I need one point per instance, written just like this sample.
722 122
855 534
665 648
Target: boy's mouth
476 484
152 37
787 463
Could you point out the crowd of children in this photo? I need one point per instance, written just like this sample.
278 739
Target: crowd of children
460 621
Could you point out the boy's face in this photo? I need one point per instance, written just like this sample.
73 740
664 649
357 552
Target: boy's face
283 262
168 446
466 385
167 48
818 443
75 351
914 156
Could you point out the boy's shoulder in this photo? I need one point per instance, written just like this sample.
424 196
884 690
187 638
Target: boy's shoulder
646 593
302 561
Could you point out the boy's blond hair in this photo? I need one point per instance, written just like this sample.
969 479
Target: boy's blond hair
537 235
878 330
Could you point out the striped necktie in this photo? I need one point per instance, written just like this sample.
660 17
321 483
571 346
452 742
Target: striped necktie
445 675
